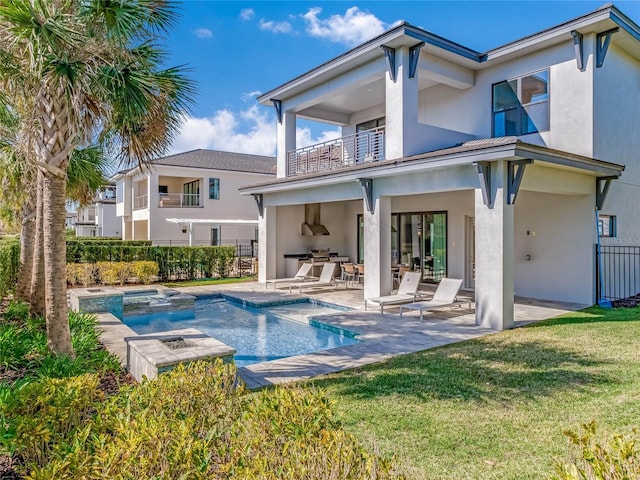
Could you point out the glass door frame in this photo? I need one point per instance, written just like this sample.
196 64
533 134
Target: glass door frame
396 230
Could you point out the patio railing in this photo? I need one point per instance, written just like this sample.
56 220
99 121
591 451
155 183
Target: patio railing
367 146
179 200
618 272
140 202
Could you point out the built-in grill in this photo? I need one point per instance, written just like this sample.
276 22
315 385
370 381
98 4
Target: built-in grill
319 256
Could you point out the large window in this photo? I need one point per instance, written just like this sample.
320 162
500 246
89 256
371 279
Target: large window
521 105
191 194
418 241
214 189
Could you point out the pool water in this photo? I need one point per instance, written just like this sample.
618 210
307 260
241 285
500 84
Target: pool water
257 334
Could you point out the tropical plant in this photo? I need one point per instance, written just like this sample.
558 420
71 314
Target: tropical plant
91 70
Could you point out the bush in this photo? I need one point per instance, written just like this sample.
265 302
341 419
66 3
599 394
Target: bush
81 274
9 263
145 271
194 422
111 273
617 460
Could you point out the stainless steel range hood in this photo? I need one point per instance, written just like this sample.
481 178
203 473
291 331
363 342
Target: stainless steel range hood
312 225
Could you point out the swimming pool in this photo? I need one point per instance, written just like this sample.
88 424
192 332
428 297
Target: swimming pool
257 334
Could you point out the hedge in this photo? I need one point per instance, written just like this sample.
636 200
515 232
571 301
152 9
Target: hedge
174 263
9 264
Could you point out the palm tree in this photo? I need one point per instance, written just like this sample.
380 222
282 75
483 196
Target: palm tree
93 69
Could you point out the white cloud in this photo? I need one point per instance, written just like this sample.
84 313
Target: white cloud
247 14
275 27
352 28
250 131
250 95
203 33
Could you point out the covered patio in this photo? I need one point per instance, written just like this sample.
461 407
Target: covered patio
507 217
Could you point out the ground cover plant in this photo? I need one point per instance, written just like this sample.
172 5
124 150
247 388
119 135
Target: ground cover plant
58 421
497 407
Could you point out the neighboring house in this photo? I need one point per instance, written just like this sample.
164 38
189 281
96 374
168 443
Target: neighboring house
486 166
70 219
98 218
192 198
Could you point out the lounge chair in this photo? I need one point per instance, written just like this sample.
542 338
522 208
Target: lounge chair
325 280
302 275
407 292
445 296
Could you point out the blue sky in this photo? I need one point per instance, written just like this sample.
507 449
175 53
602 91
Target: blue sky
238 49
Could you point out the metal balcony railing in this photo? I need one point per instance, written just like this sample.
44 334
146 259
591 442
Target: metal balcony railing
179 200
366 146
140 202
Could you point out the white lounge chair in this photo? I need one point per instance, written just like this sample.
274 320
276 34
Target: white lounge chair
407 292
302 275
325 280
445 296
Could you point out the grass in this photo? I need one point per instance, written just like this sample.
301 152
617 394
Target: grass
496 407
208 281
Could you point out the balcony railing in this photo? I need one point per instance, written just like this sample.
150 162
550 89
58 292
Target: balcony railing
361 147
140 202
179 200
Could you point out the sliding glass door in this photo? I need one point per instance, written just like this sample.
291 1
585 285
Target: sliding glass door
418 241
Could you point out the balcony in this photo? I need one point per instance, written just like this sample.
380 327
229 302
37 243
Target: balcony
179 200
140 202
361 147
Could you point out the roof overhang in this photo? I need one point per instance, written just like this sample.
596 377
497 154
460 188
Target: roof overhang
405 34
490 150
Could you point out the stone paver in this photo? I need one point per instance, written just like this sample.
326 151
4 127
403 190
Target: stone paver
381 336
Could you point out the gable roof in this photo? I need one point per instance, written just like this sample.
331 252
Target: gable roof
217 160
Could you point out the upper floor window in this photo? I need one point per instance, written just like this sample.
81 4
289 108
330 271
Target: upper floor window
607 225
521 105
214 189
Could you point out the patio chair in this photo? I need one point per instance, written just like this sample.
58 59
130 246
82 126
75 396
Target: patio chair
445 296
325 280
407 292
348 273
302 275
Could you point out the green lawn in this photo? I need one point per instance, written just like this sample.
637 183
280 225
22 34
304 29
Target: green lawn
496 407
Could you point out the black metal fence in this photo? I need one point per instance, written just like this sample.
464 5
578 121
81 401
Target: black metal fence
617 271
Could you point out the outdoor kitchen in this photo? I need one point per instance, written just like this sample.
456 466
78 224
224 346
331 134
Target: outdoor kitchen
317 258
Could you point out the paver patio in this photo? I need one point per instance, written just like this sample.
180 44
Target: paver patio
381 336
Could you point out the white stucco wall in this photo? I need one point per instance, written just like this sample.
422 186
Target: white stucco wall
557 232
617 138
231 205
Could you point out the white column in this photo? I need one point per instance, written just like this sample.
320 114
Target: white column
401 107
267 224
377 248
494 254
286 133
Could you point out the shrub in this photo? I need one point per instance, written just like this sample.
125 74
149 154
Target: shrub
9 261
81 274
145 271
194 422
111 273
619 459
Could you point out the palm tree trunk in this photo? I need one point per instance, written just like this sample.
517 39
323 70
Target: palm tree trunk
37 277
57 315
27 234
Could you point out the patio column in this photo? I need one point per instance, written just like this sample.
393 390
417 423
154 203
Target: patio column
377 248
401 108
267 244
494 253
286 133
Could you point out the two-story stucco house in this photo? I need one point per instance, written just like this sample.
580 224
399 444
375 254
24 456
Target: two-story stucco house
98 218
485 166
192 198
